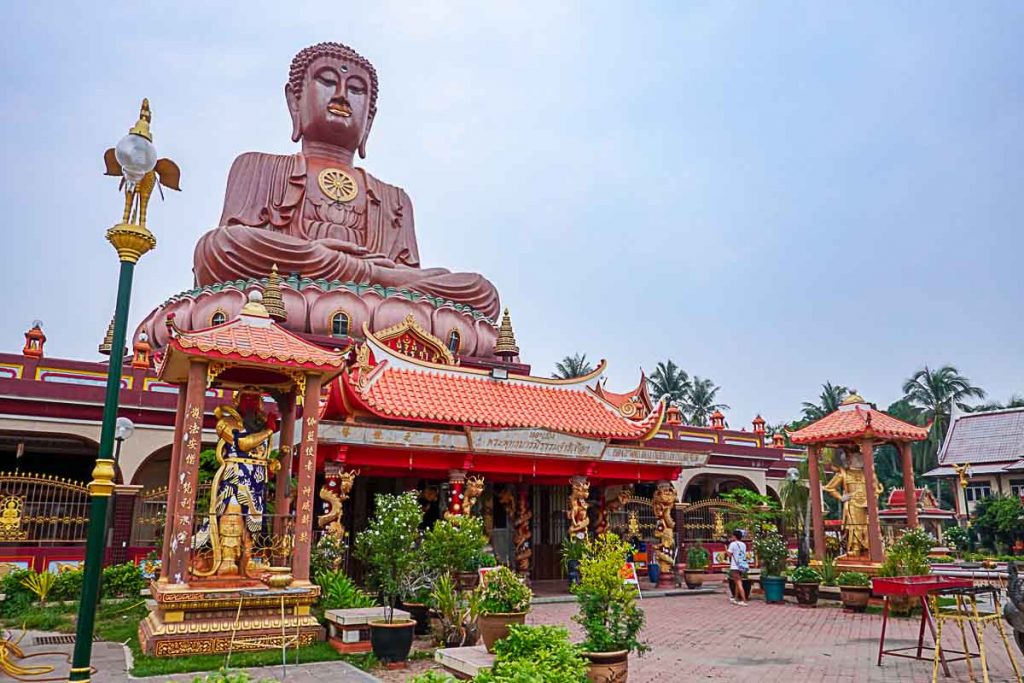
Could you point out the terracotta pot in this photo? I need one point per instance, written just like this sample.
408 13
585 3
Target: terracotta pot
391 642
494 627
608 667
855 598
694 578
806 594
902 605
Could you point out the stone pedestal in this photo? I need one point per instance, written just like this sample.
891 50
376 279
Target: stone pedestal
200 618
350 628
464 662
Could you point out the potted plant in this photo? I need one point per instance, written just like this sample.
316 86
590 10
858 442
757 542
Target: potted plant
608 612
416 587
854 591
456 546
456 613
504 600
388 549
572 553
697 557
535 653
772 551
806 581
907 556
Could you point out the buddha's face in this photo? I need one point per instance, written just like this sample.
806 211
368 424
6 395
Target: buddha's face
334 106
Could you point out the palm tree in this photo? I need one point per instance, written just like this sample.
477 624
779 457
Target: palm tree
668 379
829 399
700 401
1016 401
575 365
933 392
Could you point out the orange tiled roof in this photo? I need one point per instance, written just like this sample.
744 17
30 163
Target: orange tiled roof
253 336
854 420
396 387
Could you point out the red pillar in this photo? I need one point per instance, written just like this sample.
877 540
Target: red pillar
307 478
523 532
456 482
867 451
172 485
185 478
908 485
814 493
282 489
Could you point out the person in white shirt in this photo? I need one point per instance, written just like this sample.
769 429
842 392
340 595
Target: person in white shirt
738 564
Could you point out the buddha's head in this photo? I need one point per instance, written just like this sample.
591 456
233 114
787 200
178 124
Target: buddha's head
332 96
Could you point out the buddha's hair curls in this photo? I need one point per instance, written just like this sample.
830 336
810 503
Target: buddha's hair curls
306 56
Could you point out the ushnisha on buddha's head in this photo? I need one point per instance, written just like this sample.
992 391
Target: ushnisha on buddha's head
332 96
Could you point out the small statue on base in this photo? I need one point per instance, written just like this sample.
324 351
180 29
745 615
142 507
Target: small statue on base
238 492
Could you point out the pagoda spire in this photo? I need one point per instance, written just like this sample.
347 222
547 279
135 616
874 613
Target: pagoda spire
108 341
505 347
272 300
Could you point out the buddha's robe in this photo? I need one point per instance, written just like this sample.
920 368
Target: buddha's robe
263 224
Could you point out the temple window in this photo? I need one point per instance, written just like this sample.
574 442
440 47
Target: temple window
1017 488
340 323
454 341
219 318
977 491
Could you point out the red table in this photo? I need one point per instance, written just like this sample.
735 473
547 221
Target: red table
914 587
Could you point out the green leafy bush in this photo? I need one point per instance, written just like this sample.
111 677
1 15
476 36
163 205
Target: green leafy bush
608 612
18 596
338 591
536 654
772 552
829 569
454 545
122 581
229 676
697 556
956 538
854 579
68 585
908 555
327 556
40 584
805 575
434 677
504 591
388 545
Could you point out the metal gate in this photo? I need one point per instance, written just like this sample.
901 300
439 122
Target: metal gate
41 509
634 520
709 521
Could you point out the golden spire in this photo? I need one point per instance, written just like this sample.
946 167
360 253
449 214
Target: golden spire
272 300
141 126
108 341
505 346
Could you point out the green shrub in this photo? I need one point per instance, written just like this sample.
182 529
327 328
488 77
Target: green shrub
908 555
854 579
956 538
18 596
504 592
327 556
388 545
829 569
40 584
805 575
536 654
229 676
454 545
122 581
68 585
338 591
433 677
608 612
697 556
772 552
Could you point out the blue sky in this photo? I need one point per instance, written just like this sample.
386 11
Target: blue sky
771 194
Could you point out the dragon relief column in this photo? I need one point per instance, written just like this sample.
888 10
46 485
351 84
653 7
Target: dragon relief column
178 533
523 532
664 506
579 521
307 478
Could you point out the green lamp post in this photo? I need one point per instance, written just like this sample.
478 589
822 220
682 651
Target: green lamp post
134 160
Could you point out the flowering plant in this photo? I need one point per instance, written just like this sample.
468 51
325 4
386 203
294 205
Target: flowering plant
388 545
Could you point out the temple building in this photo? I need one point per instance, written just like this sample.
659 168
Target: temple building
982 456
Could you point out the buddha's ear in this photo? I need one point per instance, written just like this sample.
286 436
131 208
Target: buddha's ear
293 111
366 134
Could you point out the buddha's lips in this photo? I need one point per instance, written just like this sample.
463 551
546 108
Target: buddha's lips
339 110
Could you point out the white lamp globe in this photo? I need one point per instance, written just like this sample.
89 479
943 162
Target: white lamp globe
123 429
793 474
137 156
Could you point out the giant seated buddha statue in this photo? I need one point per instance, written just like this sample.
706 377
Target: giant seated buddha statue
343 240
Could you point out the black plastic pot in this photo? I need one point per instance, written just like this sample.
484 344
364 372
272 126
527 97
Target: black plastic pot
392 642
420 614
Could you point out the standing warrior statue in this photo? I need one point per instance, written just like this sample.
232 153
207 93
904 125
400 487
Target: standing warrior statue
854 498
238 496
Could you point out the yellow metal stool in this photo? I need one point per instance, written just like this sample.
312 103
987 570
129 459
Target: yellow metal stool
965 611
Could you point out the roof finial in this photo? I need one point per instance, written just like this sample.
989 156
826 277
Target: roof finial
505 347
255 307
108 341
272 299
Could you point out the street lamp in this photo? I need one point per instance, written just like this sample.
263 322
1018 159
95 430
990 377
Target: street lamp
123 430
134 161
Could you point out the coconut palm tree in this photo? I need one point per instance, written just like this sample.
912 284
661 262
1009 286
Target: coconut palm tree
933 392
829 399
1016 401
575 365
668 379
700 403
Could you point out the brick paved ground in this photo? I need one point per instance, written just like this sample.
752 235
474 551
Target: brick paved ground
706 638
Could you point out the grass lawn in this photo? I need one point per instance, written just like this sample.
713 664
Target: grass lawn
119 623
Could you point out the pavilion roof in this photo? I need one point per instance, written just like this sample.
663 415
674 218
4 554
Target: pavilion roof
252 339
855 419
390 385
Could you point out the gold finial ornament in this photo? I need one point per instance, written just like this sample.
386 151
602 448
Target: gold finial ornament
272 299
103 473
506 346
134 161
